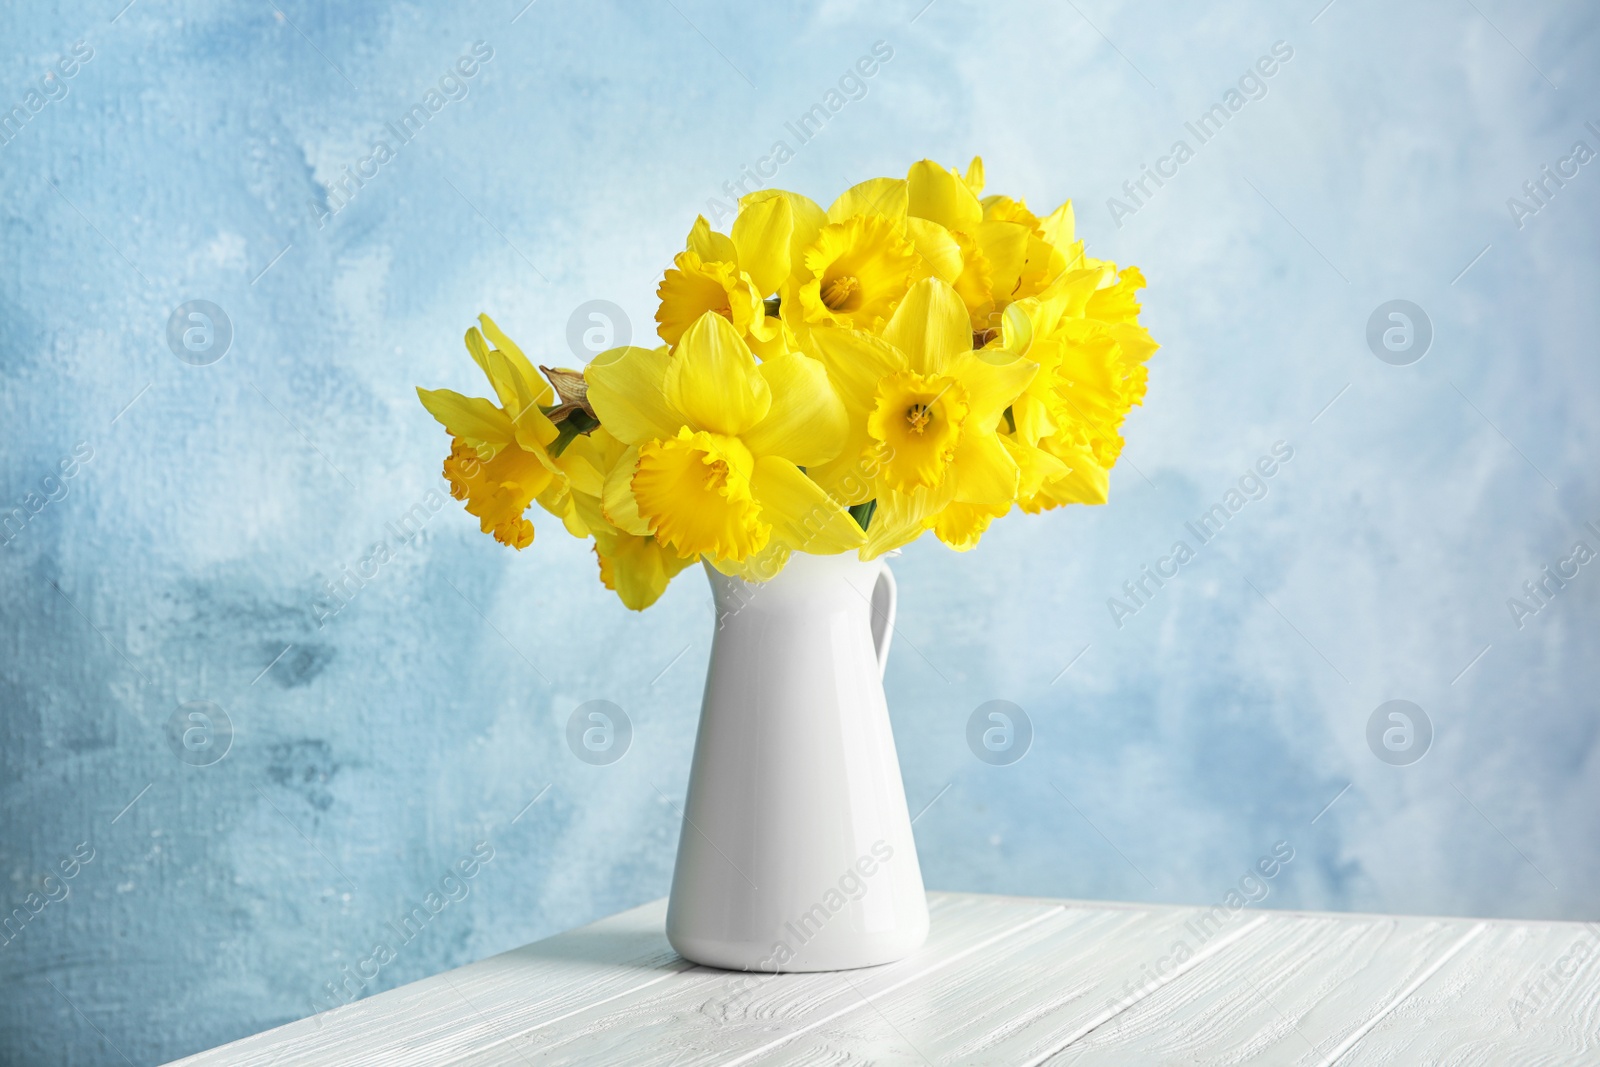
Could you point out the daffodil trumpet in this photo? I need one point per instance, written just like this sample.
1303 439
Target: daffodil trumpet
915 357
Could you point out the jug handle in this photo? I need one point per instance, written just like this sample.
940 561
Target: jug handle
885 594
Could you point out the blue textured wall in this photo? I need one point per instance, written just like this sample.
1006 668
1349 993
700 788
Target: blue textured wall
191 157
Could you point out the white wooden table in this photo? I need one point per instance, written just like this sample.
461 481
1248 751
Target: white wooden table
1002 980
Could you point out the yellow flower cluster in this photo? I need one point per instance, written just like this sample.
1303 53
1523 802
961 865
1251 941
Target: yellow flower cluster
916 357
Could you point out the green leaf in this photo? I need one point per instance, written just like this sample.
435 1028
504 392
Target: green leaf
862 513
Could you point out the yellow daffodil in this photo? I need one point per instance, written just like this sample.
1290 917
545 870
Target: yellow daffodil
926 410
731 275
918 356
636 567
860 271
716 445
695 286
1084 335
861 259
499 460
1007 252
960 525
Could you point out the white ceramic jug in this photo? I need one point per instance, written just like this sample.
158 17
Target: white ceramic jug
796 851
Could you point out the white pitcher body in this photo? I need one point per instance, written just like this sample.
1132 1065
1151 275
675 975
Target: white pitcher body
796 851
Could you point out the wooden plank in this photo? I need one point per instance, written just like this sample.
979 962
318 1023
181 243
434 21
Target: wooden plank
711 1017
1029 995
464 1010
1002 980
1295 992
1523 993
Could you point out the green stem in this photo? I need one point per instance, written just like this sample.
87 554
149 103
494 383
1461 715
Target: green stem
574 424
862 513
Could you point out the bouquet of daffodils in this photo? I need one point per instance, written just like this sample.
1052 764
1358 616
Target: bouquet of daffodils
916 357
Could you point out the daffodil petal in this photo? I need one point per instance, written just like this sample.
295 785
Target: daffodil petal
637 569
937 193
1005 246
469 417
1073 289
533 429
850 476
809 425
974 178
1018 328
504 384
991 387
1036 465
583 466
984 471
857 362
625 390
803 517
556 498
961 525
478 348
574 522
1060 228
758 567
713 380
531 379
1117 301
1135 341
1042 266
807 216
901 517
1032 417
1085 483
931 326
708 244
761 235
876 196
617 504
939 251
